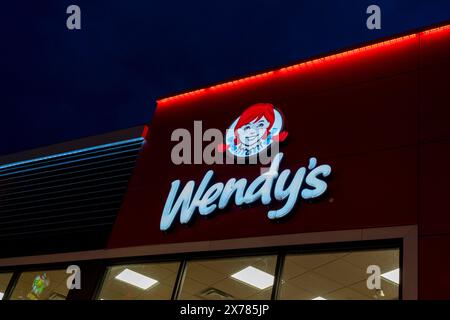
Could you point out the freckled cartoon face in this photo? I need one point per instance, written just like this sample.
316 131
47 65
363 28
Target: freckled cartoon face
253 132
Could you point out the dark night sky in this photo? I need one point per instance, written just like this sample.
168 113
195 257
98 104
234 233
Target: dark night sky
58 85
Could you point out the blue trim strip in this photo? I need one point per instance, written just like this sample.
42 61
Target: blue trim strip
61 163
79 155
13 164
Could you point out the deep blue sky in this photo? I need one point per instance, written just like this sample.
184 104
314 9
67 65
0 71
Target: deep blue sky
58 85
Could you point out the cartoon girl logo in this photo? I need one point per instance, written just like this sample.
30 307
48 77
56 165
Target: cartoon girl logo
255 130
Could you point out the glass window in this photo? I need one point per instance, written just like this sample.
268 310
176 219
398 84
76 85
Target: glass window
341 276
41 285
151 281
4 281
233 278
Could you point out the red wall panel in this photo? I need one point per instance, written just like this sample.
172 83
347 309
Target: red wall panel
357 113
435 188
378 116
434 101
434 266
434 47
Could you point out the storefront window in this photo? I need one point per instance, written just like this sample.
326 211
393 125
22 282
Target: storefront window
234 278
151 281
41 285
341 276
4 281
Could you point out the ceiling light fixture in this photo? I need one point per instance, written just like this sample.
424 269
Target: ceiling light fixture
136 279
254 277
318 298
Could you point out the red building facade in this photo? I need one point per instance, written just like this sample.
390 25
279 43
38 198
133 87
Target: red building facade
376 116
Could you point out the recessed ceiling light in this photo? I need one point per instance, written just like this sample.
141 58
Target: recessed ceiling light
393 276
254 277
136 279
318 298
1 295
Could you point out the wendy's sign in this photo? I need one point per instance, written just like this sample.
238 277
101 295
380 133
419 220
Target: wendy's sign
314 99
253 131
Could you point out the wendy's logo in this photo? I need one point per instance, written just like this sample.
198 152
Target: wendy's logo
255 130
259 127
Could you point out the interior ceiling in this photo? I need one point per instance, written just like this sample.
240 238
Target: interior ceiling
306 276
337 276
164 273
4 280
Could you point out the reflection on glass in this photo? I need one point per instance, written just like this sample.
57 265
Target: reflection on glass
41 285
4 281
340 276
151 281
226 279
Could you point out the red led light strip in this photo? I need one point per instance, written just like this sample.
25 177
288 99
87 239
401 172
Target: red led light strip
435 30
303 64
144 132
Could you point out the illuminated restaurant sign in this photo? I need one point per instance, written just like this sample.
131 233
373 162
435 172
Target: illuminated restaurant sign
254 131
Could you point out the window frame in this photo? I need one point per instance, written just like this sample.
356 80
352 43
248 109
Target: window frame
18 271
404 237
11 283
279 252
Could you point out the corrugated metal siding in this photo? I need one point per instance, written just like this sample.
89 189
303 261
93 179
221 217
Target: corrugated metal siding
62 197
